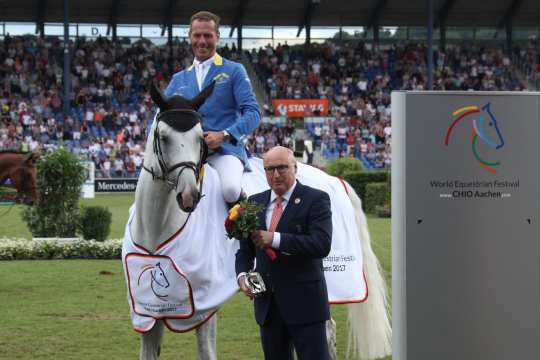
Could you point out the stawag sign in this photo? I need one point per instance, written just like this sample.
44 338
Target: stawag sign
300 107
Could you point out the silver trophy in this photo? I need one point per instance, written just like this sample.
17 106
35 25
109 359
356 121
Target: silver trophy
254 282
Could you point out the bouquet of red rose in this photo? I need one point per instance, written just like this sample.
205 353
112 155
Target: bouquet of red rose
243 221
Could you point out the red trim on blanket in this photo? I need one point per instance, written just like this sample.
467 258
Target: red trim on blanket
343 183
354 300
190 328
160 246
172 237
187 316
143 331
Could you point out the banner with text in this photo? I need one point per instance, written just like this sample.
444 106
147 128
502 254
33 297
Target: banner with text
115 185
301 107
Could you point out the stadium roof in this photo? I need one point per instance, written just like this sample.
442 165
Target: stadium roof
492 13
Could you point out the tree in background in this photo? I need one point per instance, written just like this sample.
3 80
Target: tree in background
56 213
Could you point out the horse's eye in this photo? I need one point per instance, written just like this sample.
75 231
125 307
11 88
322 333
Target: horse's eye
163 138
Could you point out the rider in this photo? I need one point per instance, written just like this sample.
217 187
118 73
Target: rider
230 113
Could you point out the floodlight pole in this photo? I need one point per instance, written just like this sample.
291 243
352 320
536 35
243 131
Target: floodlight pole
430 45
508 28
67 61
442 35
239 37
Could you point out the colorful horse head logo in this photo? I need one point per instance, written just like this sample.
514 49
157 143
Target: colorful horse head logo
490 134
158 280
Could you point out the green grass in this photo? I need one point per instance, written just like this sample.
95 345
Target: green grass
12 225
67 310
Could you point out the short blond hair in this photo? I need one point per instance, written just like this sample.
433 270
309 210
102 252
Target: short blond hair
205 16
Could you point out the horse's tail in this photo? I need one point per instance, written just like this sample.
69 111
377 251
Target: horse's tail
370 332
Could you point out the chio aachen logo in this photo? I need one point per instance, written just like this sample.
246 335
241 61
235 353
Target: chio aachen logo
483 127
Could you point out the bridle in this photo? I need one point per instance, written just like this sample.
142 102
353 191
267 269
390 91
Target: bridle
189 118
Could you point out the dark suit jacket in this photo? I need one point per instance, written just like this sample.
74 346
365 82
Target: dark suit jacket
295 280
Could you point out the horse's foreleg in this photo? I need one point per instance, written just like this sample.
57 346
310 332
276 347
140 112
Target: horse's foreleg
206 339
331 338
151 342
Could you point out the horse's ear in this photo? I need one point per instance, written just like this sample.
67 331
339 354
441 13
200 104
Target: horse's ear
198 100
157 97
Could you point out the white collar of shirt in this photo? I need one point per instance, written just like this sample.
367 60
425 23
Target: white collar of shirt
201 69
285 196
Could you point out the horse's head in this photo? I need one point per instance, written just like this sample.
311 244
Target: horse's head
178 146
158 276
487 129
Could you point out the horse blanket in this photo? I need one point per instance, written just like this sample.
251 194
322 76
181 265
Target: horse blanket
192 274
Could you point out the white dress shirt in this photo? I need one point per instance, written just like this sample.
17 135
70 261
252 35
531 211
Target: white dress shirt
201 70
273 196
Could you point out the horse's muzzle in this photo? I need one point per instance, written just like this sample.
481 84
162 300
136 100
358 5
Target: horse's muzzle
190 204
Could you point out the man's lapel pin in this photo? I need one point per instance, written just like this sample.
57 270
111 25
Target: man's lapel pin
297 201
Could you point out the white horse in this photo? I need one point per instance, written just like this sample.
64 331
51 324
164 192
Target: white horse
168 192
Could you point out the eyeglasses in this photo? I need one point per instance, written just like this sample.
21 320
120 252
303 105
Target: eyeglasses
281 169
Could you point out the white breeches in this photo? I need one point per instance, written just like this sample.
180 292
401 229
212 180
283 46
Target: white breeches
230 170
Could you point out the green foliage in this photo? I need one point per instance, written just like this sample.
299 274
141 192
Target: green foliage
359 180
60 178
95 223
377 194
340 166
53 249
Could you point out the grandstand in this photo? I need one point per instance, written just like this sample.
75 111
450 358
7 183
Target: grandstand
351 63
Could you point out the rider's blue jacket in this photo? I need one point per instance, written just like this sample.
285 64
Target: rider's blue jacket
231 106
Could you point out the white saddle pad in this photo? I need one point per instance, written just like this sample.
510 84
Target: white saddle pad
192 274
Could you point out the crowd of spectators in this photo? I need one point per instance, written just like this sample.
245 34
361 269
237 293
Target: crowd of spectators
110 106
529 59
268 135
358 81
109 102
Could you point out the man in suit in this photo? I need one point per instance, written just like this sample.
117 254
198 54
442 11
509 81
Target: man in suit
230 113
297 224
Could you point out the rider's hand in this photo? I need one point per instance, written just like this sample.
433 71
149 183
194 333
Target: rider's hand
214 139
243 287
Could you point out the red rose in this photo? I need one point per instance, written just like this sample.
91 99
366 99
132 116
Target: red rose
241 210
228 223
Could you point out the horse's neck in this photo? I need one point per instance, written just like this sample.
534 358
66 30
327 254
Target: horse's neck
157 215
5 166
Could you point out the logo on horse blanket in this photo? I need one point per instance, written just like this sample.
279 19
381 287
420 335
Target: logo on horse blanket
157 287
